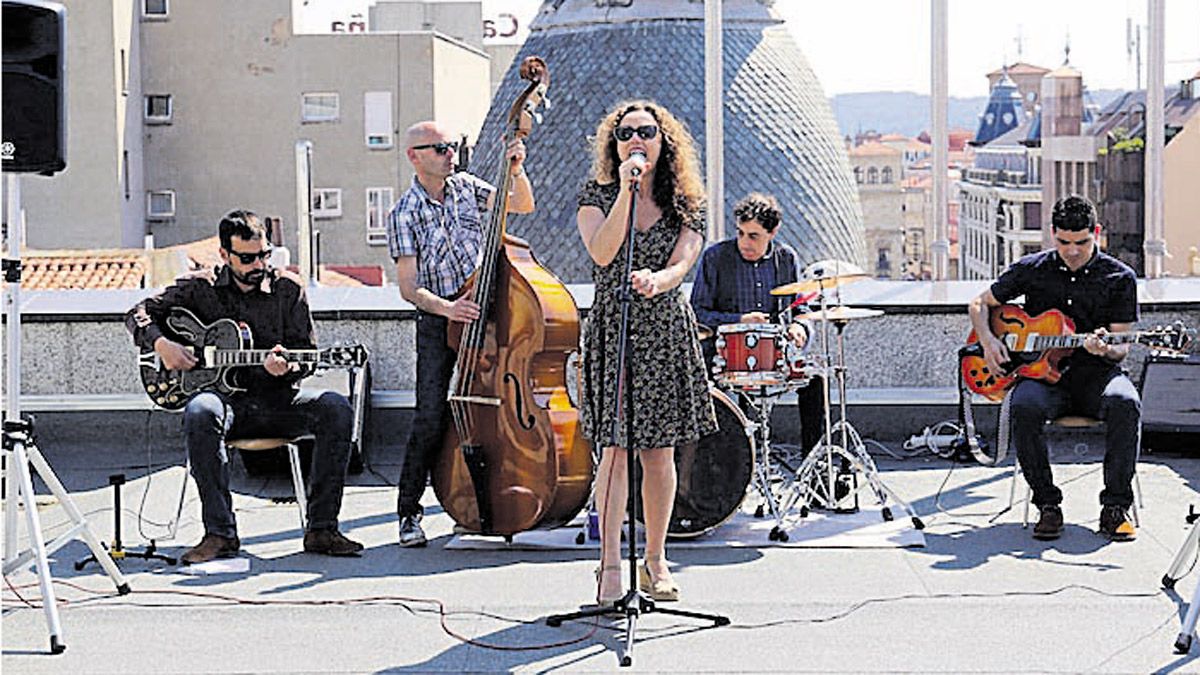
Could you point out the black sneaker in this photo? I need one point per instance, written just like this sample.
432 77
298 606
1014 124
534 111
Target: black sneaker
1050 523
411 534
1115 524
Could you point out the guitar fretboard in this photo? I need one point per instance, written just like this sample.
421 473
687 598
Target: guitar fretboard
257 357
1043 342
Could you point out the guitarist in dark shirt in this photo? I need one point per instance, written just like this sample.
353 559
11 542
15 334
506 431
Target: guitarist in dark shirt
1099 293
273 305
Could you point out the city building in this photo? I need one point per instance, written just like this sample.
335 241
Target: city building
180 111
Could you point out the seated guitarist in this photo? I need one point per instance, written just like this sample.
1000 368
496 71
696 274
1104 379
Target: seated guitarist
272 303
1098 293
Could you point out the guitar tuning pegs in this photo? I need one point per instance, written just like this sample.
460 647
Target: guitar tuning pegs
537 117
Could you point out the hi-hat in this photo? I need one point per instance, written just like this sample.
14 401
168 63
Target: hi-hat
841 313
822 275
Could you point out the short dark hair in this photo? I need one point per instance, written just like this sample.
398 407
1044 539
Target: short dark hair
760 207
245 224
1073 214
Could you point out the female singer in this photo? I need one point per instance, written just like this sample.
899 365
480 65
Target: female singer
643 153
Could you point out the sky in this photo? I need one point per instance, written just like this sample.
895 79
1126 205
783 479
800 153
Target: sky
883 45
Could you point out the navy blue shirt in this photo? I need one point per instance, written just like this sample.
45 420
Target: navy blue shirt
1101 293
728 286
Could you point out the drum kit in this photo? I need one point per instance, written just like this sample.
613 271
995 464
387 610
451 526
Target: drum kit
756 364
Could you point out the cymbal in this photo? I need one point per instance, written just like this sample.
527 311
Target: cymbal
841 313
821 275
703 332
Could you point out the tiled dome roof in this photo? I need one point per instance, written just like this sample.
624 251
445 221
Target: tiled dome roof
780 136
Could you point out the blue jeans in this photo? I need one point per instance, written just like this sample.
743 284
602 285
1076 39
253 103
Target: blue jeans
1105 394
435 365
210 418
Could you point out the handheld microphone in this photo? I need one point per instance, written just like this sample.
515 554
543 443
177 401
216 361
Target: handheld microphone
637 170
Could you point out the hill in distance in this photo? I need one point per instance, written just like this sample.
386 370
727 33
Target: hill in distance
905 112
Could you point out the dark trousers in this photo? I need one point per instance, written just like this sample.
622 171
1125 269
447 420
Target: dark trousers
1105 394
435 365
210 418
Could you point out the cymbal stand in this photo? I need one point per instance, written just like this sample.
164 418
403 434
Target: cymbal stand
852 451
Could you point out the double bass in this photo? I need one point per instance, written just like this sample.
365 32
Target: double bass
515 457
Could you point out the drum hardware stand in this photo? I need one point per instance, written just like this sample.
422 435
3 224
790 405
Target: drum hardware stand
762 465
819 465
1190 548
117 551
20 451
634 603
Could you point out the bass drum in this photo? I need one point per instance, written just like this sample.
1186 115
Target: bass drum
713 473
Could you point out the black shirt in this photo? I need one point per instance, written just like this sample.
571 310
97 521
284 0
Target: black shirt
1101 293
728 286
276 313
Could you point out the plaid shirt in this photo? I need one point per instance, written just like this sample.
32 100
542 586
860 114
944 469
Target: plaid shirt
445 237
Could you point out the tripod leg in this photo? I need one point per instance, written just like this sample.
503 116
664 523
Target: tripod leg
1183 643
68 504
33 524
1180 563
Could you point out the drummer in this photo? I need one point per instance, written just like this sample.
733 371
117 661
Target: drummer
733 285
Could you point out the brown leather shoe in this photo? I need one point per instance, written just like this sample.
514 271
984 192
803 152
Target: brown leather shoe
330 542
1050 525
210 547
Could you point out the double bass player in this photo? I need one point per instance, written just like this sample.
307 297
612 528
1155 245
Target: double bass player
435 232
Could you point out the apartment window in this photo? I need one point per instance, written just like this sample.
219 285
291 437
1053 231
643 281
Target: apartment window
379 201
158 108
872 176
319 107
327 203
155 9
377 119
887 174
160 204
858 175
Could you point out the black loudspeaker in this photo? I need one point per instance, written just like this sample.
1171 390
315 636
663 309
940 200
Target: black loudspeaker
34 104
1171 403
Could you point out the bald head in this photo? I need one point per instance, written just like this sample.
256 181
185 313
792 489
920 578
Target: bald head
424 132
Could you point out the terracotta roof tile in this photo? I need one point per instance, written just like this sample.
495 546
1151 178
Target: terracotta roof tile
56 270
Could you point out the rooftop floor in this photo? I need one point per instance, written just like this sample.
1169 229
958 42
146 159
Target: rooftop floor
978 597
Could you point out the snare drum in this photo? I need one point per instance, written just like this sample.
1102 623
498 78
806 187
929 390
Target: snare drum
751 355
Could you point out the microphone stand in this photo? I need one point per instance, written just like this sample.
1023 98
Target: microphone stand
634 602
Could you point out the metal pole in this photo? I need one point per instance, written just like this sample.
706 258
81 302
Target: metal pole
1155 245
13 229
304 239
714 124
939 249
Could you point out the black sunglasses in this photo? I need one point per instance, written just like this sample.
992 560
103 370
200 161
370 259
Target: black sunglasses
249 258
439 148
645 132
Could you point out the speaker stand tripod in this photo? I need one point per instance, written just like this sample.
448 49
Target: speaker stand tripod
1190 549
634 603
118 551
20 451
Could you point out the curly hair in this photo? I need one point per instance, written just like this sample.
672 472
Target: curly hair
1073 214
758 206
677 187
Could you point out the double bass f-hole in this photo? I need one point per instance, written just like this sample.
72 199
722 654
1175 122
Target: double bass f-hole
527 418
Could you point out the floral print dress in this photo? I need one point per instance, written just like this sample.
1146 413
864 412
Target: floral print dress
671 402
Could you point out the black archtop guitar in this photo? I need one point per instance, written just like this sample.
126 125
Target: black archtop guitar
220 349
